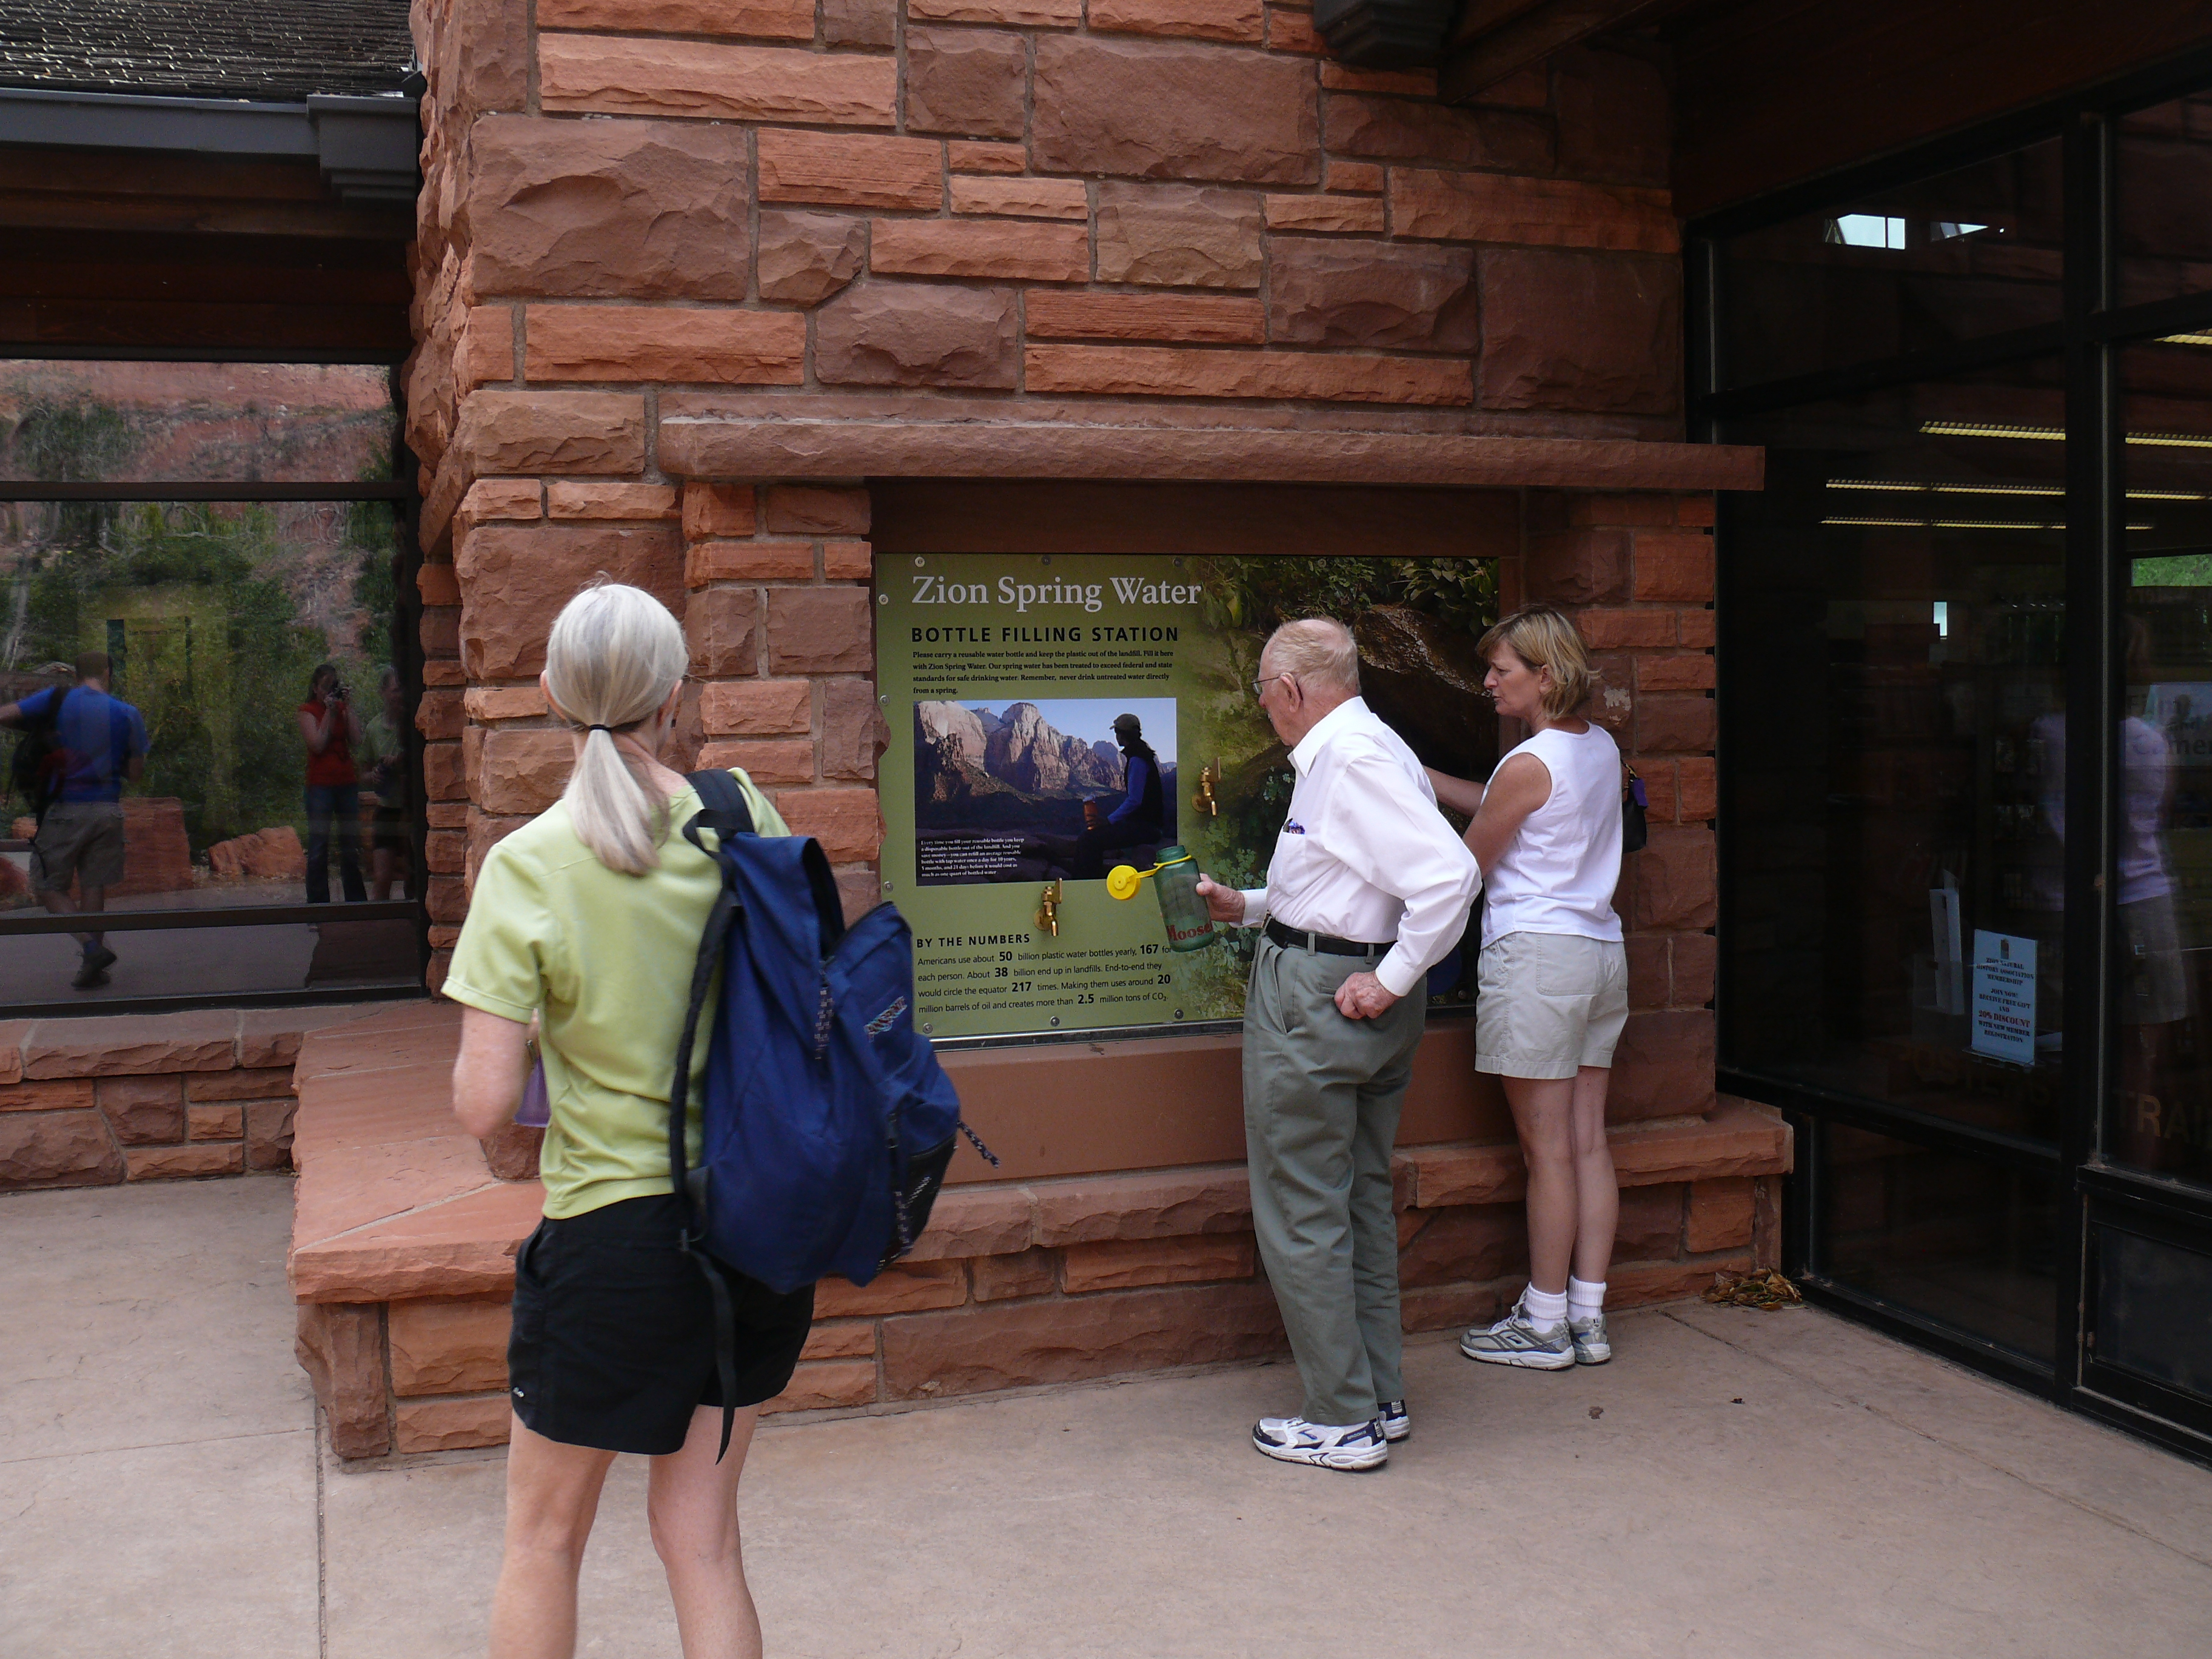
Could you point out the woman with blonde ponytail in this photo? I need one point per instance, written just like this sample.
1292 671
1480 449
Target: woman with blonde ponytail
586 920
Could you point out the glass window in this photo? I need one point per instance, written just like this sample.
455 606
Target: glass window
2153 1309
1896 741
2163 179
1954 257
1970 1243
2159 1117
147 422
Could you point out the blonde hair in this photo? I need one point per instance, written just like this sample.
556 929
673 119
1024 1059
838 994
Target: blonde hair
614 655
1319 651
1544 638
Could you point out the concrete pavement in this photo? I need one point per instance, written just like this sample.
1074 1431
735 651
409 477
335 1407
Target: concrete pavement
1733 1484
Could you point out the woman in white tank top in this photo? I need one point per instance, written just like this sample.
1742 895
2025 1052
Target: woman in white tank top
1552 979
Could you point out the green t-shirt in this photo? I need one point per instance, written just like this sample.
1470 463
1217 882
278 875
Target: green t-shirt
604 960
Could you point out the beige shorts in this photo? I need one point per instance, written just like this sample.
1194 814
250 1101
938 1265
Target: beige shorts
82 839
1548 1004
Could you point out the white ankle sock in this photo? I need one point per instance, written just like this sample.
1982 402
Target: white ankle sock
1544 1308
1584 1300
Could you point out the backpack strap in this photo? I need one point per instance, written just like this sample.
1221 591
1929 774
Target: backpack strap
726 813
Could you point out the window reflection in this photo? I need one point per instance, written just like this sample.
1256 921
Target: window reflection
1967 254
2163 177
2159 1116
1898 750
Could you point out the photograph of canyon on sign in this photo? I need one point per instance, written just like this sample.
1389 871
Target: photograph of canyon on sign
1001 794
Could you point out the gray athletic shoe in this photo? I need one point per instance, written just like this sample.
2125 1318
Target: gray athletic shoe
1397 1422
1347 1446
1591 1345
1516 1340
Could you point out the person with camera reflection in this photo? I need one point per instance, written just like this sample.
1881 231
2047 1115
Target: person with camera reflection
330 727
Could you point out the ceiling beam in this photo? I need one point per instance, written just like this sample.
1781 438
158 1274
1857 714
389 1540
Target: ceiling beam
1496 39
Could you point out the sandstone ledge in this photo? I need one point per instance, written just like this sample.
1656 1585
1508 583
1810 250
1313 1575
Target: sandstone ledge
706 446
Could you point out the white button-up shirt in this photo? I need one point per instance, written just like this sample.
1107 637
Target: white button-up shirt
1365 853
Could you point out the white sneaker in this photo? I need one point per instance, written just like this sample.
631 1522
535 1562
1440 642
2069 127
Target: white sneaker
1517 1340
1347 1446
1592 1346
1397 1422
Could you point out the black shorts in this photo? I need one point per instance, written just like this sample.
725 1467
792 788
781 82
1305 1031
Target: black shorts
613 1343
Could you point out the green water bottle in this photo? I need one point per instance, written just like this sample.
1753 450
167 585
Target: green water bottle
1190 927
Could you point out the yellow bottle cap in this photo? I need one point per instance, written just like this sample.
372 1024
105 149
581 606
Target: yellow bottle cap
1122 881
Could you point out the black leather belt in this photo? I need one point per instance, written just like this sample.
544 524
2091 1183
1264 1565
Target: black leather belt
1327 944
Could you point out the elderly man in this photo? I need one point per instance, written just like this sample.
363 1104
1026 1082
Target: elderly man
1369 888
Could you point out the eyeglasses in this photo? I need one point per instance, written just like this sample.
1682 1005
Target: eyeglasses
1260 686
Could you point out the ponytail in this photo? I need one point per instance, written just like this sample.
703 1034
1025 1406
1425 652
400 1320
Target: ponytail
614 655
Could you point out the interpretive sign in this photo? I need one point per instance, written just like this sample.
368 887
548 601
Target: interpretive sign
2004 997
1054 716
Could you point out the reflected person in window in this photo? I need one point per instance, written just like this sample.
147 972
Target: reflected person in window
331 728
89 743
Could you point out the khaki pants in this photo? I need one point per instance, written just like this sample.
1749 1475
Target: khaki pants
1322 1099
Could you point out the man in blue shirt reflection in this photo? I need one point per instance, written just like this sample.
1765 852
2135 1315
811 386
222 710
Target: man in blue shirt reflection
94 744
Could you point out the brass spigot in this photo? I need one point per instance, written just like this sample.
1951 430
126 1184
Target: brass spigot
1207 777
1047 910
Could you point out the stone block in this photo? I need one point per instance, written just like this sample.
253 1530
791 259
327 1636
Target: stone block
1370 294
764 760
804 257
12 1033
858 891
445 852
1455 1307
1650 1224
1399 83
1393 129
853 729
1180 317
524 769
516 579
851 169
1362 215
428 1425
181 1163
730 708
978 1221
488 704
712 509
448 1345
720 624
1671 724
1696 628
1611 508
1179 236
904 1287
1022 198
1355 178
917 334
438 717
1720 1214
1002 1277
1464 1244
848 823
1289 29
57 1149
817 510
1060 1339
1651 973
488 499
1126 1263
1675 672
1581 331
1695 512
701 80
1663 1067
848 562
442 772
1508 207
1579 567
1642 1285
733 562
610 501
1169 372
247 1083
820 630
1696 957
777 19
968 83
1014 14
122 1045
859 23
62 1094
840 1338
340 1346
1627 631
816 1387
1146 1204
990 249
560 432
439 632
447 900
1674 564
657 342
1672 881
215 1122
1149 110
485 349
605 209
1241 22
980 155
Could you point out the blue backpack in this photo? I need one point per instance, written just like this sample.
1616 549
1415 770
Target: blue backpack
827 1121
